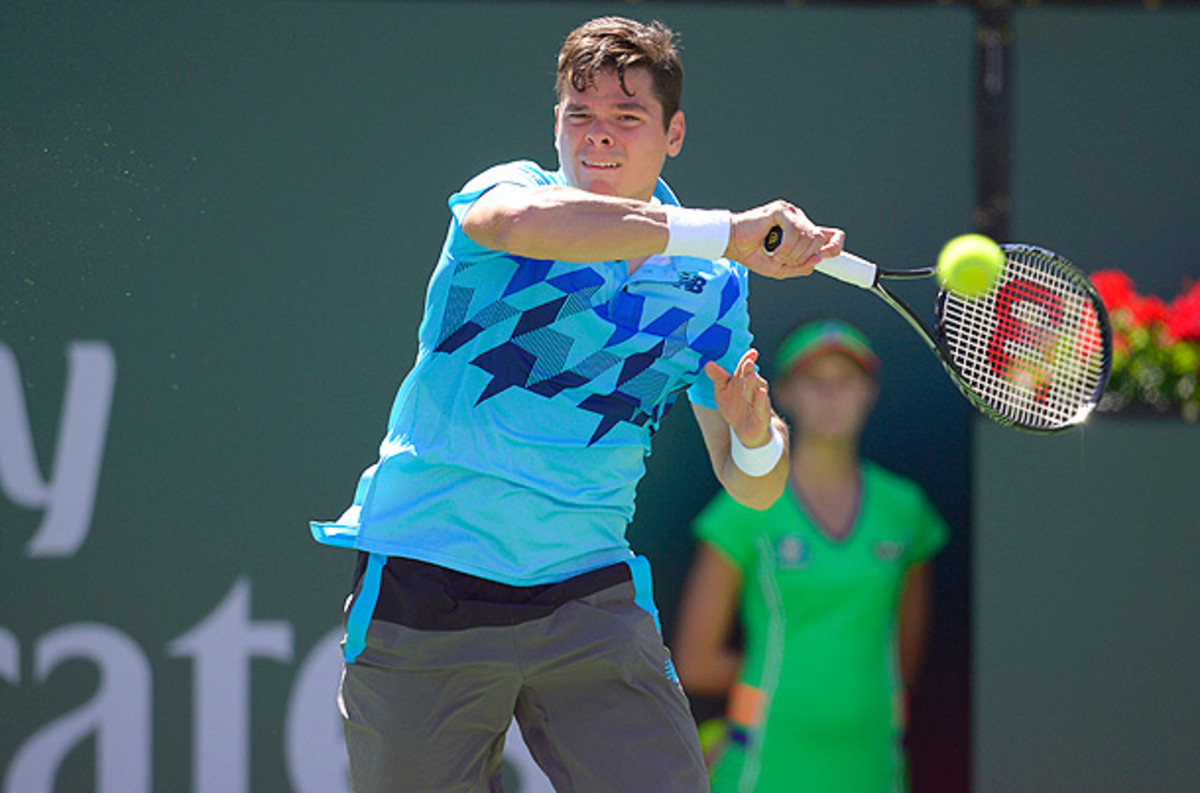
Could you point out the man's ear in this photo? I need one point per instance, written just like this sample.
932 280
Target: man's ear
675 133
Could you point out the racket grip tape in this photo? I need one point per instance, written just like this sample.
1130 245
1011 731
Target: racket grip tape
846 267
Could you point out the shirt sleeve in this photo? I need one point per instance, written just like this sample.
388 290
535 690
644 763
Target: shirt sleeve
931 532
520 172
730 338
724 524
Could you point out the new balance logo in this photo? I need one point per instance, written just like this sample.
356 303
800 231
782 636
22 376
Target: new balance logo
691 282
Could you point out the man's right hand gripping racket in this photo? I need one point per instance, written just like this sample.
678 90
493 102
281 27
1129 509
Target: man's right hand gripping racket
1034 352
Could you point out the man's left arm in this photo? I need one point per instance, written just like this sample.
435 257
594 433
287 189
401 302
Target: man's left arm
744 416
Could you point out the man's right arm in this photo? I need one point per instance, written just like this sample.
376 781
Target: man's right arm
572 225
566 224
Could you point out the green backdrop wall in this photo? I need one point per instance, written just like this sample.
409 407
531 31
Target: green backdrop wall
1084 608
217 221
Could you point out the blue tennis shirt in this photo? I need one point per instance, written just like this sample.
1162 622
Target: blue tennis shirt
516 442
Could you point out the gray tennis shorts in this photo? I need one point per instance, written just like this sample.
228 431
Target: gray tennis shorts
438 663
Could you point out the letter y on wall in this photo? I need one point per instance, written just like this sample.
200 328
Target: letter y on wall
68 496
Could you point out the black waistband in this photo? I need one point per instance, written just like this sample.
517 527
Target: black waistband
428 597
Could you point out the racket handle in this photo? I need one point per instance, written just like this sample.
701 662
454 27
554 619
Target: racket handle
851 269
846 267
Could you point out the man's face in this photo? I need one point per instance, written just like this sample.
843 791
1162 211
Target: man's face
611 143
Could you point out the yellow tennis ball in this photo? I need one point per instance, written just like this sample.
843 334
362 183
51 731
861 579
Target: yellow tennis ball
712 734
970 265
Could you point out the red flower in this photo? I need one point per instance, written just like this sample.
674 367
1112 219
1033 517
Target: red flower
1115 288
1148 310
1157 360
1183 321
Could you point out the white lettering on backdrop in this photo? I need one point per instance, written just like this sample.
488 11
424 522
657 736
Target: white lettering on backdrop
67 496
119 717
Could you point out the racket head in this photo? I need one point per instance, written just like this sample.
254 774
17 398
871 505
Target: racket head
1035 351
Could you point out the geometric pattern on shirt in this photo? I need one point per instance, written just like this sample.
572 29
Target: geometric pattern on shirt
534 356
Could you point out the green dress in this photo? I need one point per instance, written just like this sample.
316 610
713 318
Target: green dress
819 707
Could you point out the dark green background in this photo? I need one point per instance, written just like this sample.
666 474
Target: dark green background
1085 609
245 201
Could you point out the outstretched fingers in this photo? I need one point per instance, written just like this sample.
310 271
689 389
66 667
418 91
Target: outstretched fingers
743 398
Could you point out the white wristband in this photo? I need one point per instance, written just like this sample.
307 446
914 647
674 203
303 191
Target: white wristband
760 460
703 233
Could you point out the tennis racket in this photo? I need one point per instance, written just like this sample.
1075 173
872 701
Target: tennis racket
1033 353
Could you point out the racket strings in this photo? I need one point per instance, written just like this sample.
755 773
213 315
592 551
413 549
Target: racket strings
1032 349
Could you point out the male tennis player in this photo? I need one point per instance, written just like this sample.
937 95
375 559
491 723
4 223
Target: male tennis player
568 310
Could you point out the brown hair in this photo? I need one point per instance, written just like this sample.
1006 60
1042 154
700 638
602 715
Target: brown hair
618 44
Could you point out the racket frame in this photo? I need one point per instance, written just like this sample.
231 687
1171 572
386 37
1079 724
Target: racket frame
864 274
1103 326
935 340
867 275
